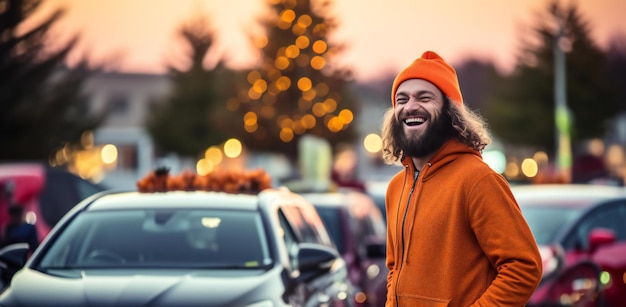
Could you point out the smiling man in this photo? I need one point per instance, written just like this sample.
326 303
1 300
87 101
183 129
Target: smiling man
455 234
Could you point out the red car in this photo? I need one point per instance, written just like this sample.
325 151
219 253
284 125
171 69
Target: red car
357 228
581 233
47 193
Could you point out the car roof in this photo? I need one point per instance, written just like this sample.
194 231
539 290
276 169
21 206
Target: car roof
346 198
173 199
377 187
331 199
110 199
566 195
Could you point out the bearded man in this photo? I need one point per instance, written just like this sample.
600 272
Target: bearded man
455 233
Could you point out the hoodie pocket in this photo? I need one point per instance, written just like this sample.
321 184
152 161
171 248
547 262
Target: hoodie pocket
421 301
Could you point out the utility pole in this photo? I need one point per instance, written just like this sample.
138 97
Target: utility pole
562 117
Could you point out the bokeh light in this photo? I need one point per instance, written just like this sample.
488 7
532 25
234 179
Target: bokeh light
204 166
286 135
213 154
529 168
372 143
108 154
233 148
541 157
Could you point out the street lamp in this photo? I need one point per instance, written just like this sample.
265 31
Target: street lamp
561 113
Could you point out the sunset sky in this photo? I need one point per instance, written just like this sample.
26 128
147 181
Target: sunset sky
381 36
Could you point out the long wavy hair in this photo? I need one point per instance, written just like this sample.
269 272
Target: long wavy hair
470 127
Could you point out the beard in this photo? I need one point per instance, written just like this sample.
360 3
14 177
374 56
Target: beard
436 134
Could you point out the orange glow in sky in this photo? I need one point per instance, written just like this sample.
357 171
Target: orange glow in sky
381 36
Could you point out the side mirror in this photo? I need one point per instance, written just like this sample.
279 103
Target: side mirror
315 259
600 237
12 258
14 255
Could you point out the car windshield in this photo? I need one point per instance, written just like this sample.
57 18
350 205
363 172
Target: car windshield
180 238
546 221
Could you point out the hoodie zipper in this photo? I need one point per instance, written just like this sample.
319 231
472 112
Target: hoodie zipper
417 173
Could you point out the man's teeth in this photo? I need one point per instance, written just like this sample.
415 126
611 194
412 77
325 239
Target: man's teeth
414 120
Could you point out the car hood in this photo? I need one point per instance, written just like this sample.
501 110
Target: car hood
149 288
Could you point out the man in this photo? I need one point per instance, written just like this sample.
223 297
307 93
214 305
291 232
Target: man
455 234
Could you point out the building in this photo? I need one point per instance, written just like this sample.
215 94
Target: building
128 98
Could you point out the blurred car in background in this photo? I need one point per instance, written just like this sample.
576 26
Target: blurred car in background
176 246
581 233
377 190
46 193
358 230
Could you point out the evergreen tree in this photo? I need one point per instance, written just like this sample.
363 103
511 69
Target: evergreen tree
479 80
42 106
529 101
295 90
193 117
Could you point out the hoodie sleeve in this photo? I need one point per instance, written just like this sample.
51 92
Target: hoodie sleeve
506 240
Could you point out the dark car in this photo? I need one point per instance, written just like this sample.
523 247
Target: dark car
377 190
45 192
185 248
356 226
581 233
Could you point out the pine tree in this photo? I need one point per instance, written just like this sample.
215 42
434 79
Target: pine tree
529 101
478 80
42 106
193 117
296 90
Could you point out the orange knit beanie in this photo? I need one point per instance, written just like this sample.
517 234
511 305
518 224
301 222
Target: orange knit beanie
432 68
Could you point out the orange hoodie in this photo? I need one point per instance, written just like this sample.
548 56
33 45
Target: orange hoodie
456 236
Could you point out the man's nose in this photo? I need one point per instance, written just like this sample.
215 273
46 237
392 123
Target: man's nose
412 104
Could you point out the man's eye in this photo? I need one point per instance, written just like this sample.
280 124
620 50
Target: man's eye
426 98
401 100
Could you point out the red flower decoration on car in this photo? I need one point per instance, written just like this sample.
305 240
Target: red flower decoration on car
249 182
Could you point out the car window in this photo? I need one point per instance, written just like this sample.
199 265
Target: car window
369 221
545 222
610 215
161 238
368 224
621 230
332 221
308 226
